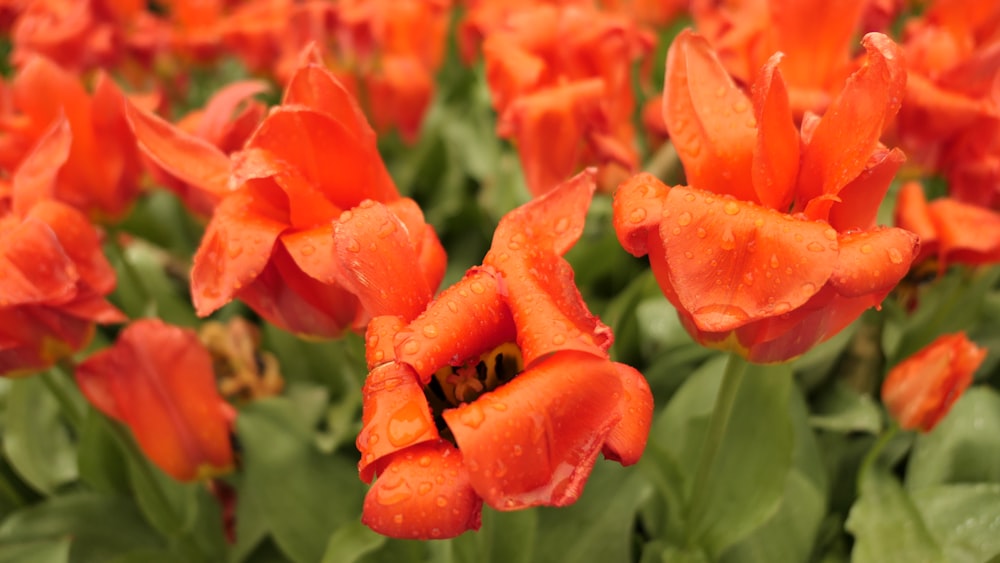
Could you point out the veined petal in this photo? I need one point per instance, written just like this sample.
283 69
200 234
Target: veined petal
221 108
776 154
378 262
557 415
464 321
709 119
315 87
849 131
313 252
189 158
35 267
734 262
873 261
80 241
379 336
638 208
423 493
396 415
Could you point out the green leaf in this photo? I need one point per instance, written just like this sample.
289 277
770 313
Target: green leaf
963 447
839 408
102 465
351 542
744 486
55 551
99 527
964 519
505 537
303 495
886 525
35 440
144 287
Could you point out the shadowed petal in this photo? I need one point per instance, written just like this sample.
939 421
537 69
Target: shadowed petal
627 440
857 209
557 415
34 265
35 178
776 154
638 209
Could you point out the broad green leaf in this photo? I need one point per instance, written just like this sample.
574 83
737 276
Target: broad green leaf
745 484
99 527
45 551
963 447
964 519
350 542
35 440
103 466
145 288
599 526
303 495
886 525
505 537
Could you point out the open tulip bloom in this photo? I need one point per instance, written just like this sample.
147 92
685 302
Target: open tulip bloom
501 390
772 246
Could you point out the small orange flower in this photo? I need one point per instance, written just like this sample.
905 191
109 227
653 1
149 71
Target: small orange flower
773 246
501 390
560 82
157 379
53 275
921 389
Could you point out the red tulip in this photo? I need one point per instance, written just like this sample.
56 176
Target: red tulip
270 240
772 247
921 389
53 274
501 390
157 379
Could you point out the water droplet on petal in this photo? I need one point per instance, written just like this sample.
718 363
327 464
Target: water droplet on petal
441 501
472 416
411 347
638 215
731 208
782 307
894 256
559 339
424 488
477 287
866 249
406 425
393 490
235 250
702 233
684 219
830 234
563 223
809 289
353 245
815 246
430 331
728 241
774 261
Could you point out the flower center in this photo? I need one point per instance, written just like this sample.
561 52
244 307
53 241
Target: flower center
454 385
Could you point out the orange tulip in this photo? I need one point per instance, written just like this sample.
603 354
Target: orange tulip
950 230
772 247
921 389
560 82
100 175
157 379
269 242
501 390
53 275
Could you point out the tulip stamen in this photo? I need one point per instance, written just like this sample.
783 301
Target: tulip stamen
454 385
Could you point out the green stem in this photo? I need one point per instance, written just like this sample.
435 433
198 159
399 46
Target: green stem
725 401
119 255
54 379
877 449
665 164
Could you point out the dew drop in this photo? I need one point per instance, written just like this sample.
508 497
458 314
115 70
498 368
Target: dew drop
684 219
731 208
830 234
563 224
774 261
430 331
782 307
559 339
688 254
477 288
676 231
393 492
808 288
406 425
638 215
866 249
815 247
702 233
740 106
346 216
689 197
728 241
894 256
748 278
424 488
398 518
353 245
453 307
411 347
441 501
472 416
235 250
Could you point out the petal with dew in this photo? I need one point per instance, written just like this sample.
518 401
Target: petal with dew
873 261
776 154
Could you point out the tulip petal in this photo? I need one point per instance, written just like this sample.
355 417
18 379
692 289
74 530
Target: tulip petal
378 262
424 493
913 214
638 208
627 439
958 242
313 252
379 336
396 415
185 156
315 87
849 131
158 380
557 415
708 119
34 268
80 241
776 154
35 178
732 262
464 321
221 108
873 261
237 244
861 198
